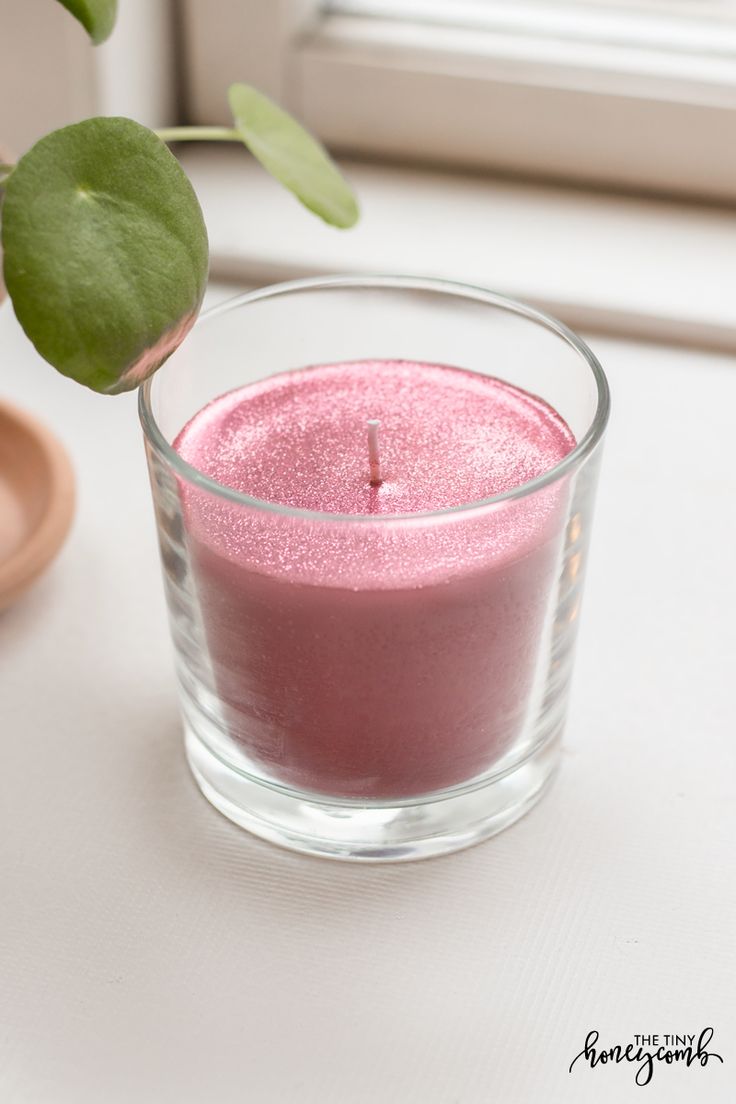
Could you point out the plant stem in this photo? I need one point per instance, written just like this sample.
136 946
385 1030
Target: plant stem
198 134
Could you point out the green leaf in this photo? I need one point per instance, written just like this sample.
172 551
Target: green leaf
105 251
290 154
96 16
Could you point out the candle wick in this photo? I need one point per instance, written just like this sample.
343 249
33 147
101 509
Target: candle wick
374 458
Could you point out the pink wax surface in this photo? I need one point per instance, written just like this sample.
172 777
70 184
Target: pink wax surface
374 657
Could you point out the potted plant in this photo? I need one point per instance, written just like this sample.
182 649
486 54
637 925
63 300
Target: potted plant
105 259
105 246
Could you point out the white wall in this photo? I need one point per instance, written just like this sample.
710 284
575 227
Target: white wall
51 75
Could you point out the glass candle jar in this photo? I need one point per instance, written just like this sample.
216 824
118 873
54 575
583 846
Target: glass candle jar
374 686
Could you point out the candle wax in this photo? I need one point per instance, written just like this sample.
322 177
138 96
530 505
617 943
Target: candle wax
374 658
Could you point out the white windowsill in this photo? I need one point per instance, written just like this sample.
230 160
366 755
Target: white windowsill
124 894
617 264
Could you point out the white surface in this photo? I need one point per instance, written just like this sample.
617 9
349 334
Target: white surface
152 952
615 263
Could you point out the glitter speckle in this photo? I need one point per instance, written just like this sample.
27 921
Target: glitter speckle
448 437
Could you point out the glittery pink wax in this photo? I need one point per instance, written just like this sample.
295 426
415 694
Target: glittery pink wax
373 656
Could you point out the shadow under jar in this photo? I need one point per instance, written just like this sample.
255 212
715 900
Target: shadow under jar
374 625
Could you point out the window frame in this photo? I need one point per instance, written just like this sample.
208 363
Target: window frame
611 115
258 41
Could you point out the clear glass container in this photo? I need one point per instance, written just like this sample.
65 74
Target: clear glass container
392 702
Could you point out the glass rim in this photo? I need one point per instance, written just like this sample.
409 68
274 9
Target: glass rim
582 449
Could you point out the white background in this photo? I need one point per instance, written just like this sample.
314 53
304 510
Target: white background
152 952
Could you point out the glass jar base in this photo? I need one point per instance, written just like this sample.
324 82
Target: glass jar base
375 831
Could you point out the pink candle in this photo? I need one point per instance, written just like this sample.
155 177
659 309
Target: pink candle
374 659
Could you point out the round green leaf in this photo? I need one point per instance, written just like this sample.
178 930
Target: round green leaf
105 251
291 155
96 16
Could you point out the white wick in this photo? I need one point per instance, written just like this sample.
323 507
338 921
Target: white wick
374 458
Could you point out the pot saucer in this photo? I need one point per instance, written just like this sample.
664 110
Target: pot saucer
36 500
